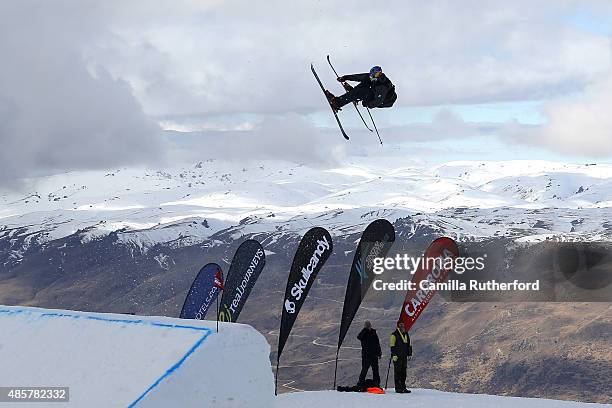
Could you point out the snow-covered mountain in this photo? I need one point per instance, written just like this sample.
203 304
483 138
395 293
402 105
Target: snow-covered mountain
132 240
523 200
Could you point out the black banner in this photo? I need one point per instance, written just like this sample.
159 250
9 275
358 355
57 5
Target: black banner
246 266
312 252
202 293
375 242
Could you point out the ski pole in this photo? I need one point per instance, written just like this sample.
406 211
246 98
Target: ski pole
388 369
332 67
372 119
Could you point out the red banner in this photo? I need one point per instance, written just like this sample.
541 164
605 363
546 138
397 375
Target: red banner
437 263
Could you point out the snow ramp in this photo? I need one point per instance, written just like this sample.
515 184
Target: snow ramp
110 360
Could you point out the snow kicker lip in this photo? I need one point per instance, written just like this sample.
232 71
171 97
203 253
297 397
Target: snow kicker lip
47 314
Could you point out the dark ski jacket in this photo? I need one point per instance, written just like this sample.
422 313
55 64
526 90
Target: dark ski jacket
383 90
400 345
370 346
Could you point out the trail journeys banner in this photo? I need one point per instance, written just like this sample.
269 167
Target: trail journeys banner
438 262
375 242
246 266
312 252
202 293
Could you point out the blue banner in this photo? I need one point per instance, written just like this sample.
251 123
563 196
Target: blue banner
202 294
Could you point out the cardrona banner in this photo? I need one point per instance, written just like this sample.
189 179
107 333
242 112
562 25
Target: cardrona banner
437 263
375 242
202 293
246 266
312 252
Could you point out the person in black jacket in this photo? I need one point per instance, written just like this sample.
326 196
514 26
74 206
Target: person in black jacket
374 90
401 351
370 353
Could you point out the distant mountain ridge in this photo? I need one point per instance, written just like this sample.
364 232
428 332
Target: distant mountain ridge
184 206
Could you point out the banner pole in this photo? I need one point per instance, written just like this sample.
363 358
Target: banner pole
388 369
276 380
336 369
217 313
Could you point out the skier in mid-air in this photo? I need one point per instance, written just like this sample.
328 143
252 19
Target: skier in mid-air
374 90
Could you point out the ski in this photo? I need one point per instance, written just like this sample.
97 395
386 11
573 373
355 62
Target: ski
347 89
333 111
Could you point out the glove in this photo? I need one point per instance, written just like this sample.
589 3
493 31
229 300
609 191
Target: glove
394 359
340 79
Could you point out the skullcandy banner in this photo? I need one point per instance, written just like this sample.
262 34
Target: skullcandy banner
202 293
434 267
375 242
246 266
312 252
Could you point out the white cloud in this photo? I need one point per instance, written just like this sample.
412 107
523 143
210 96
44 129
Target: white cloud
246 57
288 137
581 125
55 113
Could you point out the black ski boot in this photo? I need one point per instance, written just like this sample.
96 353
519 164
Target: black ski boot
332 101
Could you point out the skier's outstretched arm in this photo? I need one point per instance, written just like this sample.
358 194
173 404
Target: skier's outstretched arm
354 77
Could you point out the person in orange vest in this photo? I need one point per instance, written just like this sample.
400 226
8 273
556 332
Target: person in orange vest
401 351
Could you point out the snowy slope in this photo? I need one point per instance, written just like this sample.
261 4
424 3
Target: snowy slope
419 398
118 361
519 199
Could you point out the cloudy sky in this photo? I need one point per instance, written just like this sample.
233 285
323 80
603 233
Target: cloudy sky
94 84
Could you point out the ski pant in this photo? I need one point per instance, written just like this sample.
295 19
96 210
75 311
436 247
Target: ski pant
366 363
358 93
399 373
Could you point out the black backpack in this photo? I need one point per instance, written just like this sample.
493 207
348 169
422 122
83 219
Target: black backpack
390 98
